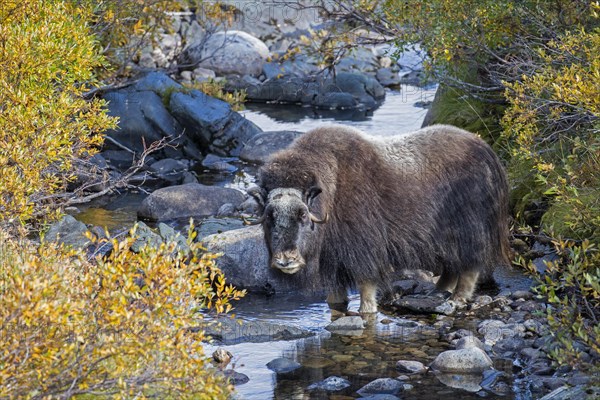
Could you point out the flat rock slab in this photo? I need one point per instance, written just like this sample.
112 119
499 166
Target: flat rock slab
424 305
230 331
185 201
346 324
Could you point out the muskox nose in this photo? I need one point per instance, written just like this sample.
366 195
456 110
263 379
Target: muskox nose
282 262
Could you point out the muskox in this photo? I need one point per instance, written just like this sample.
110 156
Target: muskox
357 207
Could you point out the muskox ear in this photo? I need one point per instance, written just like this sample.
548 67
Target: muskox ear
311 194
259 194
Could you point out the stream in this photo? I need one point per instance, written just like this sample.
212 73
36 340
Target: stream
359 359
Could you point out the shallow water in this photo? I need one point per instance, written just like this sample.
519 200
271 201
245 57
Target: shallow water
360 359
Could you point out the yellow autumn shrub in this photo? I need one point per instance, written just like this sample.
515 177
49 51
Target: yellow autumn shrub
125 326
47 58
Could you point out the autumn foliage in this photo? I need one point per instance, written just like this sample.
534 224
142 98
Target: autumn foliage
127 326
47 59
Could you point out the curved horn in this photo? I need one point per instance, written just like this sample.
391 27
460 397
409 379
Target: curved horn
257 221
316 220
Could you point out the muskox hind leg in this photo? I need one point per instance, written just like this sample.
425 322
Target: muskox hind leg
465 287
368 298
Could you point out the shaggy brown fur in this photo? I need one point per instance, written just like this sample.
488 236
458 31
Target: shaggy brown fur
435 199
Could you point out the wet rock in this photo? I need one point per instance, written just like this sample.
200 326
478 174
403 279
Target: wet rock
469 360
331 384
578 379
522 294
245 261
69 232
364 88
227 53
298 68
169 169
283 365
577 392
145 237
512 344
424 305
468 342
496 330
217 163
360 60
388 77
468 382
222 356
260 147
211 123
481 301
211 226
118 159
411 367
528 306
225 210
157 82
236 378
347 91
380 397
249 206
144 119
230 331
202 74
168 234
346 324
382 386
188 177
189 200
491 380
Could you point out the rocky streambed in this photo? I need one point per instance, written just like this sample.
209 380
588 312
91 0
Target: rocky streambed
291 345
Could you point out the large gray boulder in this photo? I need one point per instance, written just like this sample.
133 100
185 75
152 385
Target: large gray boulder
228 52
144 119
260 147
185 201
211 123
245 261
156 107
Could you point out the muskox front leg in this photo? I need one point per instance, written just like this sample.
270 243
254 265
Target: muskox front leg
465 287
447 282
368 298
338 299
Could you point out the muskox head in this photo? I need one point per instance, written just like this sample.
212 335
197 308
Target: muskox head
289 226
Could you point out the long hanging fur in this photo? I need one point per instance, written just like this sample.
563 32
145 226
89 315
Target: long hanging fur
435 199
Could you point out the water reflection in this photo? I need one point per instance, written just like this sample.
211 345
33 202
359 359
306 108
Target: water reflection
399 113
360 358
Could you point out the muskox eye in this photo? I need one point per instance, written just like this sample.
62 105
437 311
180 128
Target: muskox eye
303 216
